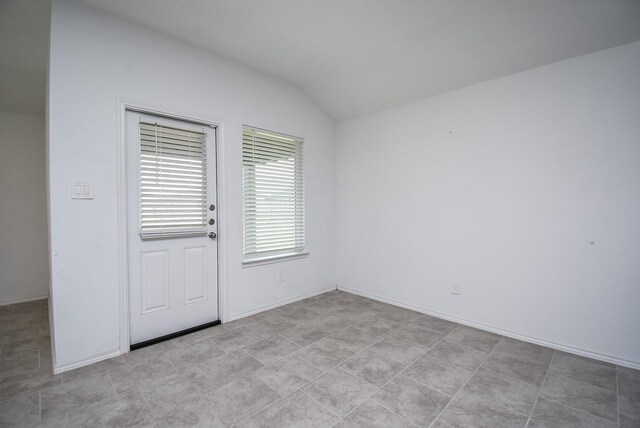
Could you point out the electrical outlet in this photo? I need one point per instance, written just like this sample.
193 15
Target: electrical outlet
456 287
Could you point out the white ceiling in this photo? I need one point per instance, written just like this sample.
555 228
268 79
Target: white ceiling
358 56
24 55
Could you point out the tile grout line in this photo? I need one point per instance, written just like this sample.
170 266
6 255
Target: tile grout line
323 372
535 403
591 415
465 384
395 376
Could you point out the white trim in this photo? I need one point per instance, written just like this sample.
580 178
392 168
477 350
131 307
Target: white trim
278 304
87 361
259 261
124 105
507 333
25 300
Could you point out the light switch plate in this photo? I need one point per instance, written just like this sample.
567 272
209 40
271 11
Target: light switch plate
82 189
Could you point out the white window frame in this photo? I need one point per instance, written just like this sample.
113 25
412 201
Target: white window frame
298 250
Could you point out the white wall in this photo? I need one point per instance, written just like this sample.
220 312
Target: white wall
24 269
504 186
97 59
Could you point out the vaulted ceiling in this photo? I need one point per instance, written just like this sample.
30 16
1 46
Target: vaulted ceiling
354 57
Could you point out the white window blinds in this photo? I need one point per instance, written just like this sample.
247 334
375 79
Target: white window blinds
173 181
273 191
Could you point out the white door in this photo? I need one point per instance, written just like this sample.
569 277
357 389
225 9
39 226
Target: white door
172 225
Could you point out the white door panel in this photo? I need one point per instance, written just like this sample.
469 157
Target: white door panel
173 278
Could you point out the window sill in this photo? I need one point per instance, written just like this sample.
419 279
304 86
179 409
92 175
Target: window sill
273 259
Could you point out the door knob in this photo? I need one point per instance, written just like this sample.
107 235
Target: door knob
212 221
212 235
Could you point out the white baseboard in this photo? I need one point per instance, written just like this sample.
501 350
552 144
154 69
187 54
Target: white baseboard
507 333
25 300
86 361
281 303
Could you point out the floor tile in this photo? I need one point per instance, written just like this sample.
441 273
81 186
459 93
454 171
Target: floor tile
334 322
526 350
179 390
411 400
193 416
469 410
93 368
229 366
514 365
359 315
629 390
327 306
272 349
440 376
60 399
379 327
509 392
20 333
20 363
272 325
437 325
474 338
240 398
325 354
295 411
194 353
354 339
398 314
21 411
419 335
299 315
553 415
399 350
584 369
372 415
372 367
131 376
124 410
236 339
339 391
581 396
628 422
31 381
458 355
288 374
305 334
21 346
439 424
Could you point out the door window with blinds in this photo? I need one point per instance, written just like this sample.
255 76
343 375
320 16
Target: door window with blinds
173 181
273 195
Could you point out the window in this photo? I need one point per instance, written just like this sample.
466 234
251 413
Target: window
173 181
273 192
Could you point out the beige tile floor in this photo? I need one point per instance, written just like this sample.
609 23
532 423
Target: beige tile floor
332 360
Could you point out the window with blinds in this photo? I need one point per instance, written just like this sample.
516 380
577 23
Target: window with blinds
173 181
273 191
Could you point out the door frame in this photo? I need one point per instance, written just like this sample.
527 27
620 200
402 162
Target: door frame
122 209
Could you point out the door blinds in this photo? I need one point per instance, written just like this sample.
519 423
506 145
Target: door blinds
173 181
273 192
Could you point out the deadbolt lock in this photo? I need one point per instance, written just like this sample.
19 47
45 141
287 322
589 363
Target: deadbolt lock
212 207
